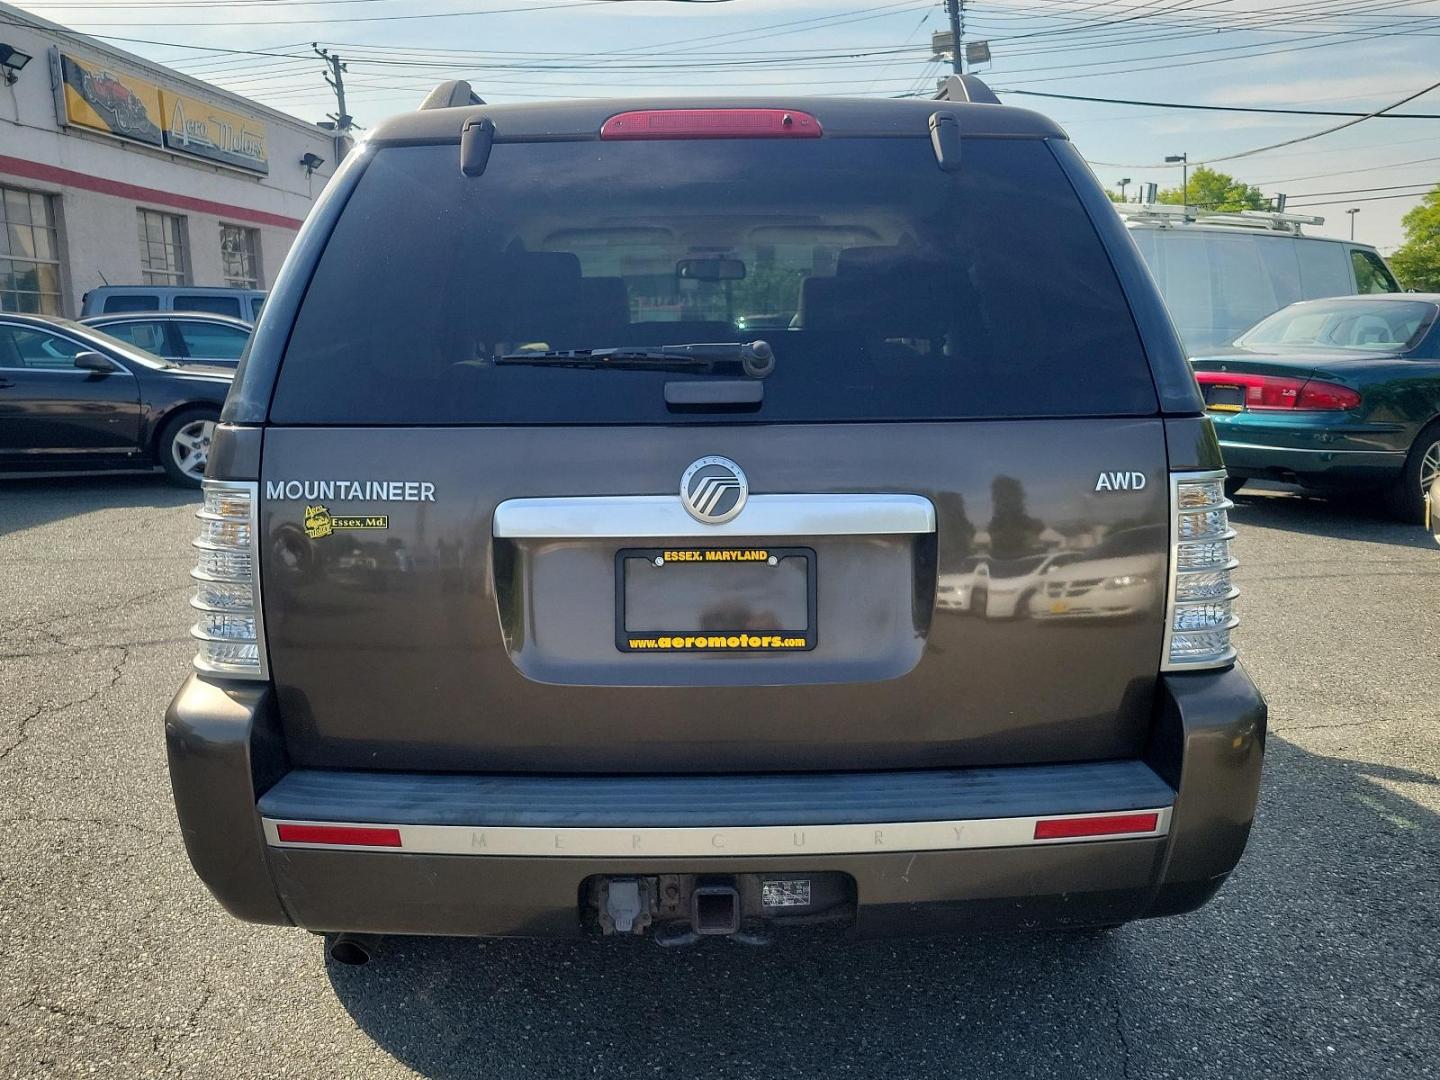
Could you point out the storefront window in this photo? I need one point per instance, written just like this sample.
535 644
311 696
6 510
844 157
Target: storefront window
240 256
29 253
162 249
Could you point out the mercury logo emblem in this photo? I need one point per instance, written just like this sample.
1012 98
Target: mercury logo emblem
714 490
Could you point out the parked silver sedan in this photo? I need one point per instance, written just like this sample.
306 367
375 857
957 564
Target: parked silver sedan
179 336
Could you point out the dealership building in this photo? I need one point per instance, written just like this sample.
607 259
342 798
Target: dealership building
117 170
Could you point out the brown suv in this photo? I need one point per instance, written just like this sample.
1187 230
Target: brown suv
734 515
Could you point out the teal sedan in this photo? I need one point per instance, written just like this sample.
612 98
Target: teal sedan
1331 394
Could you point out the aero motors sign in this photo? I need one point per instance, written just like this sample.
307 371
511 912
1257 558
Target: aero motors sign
193 126
95 96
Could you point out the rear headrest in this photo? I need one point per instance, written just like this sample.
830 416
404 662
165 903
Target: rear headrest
876 260
827 303
913 302
604 303
546 270
544 290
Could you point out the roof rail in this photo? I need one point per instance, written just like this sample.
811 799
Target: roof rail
966 88
450 94
1174 214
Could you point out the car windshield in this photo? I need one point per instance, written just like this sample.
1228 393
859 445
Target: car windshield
1345 324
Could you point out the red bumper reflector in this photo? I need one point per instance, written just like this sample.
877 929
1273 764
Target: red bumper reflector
711 124
343 835
1107 825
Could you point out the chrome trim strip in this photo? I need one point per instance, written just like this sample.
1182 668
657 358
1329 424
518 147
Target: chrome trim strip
1305 450
629 516
723 841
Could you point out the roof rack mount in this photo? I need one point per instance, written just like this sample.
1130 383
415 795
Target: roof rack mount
966 88
450 95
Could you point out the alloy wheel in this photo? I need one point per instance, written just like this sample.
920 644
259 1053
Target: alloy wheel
191 447
1429 467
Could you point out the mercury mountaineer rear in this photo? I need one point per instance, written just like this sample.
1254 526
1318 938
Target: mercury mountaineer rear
699 517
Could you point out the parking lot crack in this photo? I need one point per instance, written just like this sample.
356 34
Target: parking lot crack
40 625
96 822
1119 1017
1281 725
25 728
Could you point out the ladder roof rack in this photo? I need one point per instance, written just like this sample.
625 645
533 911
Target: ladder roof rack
1164 214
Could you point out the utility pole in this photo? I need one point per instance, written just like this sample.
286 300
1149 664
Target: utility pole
336 78
956 10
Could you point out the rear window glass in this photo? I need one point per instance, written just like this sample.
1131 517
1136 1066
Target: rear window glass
131 303
212 305
887 288
1387 325
1219 284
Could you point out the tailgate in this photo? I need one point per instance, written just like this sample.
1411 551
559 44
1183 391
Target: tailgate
951 621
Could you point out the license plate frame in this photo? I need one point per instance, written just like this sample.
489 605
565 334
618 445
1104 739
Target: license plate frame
661 641
1218 397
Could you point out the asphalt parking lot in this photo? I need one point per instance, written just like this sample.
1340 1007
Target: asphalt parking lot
1320 958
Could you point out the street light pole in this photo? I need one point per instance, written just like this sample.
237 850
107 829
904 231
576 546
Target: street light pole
1184 162
1352 212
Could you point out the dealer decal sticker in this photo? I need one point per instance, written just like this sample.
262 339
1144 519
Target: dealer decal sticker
320 522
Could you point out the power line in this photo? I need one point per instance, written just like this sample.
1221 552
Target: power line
1213 108
411 17
1365 198
1288 142
1360 191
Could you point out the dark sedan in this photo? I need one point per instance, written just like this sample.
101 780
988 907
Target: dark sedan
185 337
73 398
1336 393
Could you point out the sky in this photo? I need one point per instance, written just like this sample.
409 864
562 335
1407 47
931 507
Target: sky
1340 55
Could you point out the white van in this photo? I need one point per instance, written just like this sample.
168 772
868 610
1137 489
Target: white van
1221 273
213 300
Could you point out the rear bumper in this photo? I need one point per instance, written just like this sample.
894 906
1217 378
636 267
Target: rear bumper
1323 449
1320 467
928 852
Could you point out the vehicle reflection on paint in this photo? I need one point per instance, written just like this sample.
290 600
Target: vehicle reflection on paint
964 589
1013 582
1123 576
1117 575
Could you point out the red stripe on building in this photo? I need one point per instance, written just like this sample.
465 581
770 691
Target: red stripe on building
33 170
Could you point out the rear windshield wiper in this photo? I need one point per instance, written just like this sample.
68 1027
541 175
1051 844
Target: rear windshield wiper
755 358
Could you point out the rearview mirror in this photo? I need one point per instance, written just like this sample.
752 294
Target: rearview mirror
94 361
710 269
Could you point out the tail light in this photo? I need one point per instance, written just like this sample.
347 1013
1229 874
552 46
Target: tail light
227 583
1284 392
1199 612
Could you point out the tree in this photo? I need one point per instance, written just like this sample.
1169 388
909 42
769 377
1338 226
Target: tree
1210 189
1417 261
